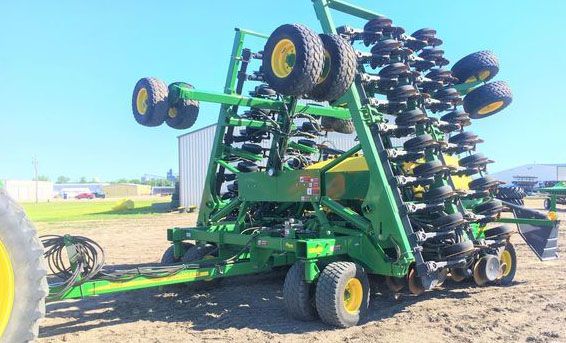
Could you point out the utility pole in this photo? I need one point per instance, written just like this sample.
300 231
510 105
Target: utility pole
35 167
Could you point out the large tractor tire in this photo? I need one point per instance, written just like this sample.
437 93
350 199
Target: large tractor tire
184 113
299 294
512 194
339 69
149 101
342 294
23 282
479 66
345 126
293 60
488 99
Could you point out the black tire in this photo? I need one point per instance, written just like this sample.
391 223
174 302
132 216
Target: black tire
169 255
448 222
465 138
489 207
410 118
547 204
345 126
247 167
483 183
299 295
511 194
479 66
458 249
308 62
474 161
21 260
419 143
438 194
330 294
508 275
149 101
184 113
340 63
498 232
429 169
196 253
488 99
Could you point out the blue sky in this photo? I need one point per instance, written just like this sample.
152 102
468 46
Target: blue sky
67 69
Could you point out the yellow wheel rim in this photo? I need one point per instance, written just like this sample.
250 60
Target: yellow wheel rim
283 58
6 288
326 68
507 260
353 295
491 107
484 74
471 79
141 101
172 112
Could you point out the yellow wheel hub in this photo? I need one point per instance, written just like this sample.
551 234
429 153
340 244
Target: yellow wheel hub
172 112
6 288
487 109
507 261
326 68
482 75
353 295
283 58
141 101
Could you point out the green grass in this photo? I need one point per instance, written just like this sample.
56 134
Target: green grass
73 210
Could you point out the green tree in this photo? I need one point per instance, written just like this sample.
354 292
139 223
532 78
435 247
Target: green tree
41 178
82 179
63 179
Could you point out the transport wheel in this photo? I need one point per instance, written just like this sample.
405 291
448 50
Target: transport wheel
342 294
488 99
169 254
149 101
299 295
508 262
201 252
183 114
23 282
339 69
479 66
345 126
458 274
293 60
486 270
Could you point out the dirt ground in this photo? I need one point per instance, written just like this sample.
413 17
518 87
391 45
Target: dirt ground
533 309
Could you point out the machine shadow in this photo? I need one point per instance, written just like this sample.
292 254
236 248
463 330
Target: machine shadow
253 302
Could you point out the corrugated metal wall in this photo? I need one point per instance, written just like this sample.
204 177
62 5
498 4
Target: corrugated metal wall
194 153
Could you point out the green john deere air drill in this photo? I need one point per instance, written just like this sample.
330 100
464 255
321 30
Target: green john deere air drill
410 203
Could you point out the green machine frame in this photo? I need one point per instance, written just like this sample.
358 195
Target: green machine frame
365 238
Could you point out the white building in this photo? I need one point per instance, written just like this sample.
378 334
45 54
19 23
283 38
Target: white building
28 190
542 172
194 155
